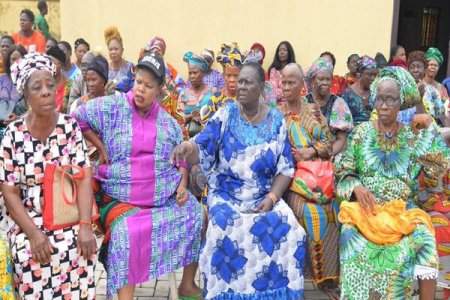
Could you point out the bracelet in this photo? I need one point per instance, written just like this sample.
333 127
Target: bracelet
87 223
190 145
273 198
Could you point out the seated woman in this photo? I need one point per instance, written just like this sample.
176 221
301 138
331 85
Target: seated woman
13 105
120 70
192 99
231 59
357 95
47 264
79 86
379 170
435 60
334 108
211 77
352 64
311 139
152 222
254 247
96 80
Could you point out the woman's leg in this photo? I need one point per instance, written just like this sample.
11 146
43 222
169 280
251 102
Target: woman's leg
187 286
126 293
427 288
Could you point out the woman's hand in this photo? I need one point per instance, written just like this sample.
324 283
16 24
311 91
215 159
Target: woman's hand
421 121
304 154
187 118
196 116
86 244
181 153
41 248
265 206
103 156
182 195
365 198
11 118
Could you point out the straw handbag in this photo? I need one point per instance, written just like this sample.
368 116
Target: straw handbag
59 211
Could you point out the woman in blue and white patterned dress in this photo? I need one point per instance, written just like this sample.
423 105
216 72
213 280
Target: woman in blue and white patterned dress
254 246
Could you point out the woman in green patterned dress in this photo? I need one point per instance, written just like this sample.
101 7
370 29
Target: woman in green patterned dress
381 164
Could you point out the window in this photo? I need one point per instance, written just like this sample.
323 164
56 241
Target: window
430 24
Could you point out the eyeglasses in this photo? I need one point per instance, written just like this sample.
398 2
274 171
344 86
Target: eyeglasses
389 102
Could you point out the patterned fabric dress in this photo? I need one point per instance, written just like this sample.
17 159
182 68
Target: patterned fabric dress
6 286
214 79
24 158
275 81
389 169
8 93
309 128
147 233
215 102
336 112
359 107
124 77
248 255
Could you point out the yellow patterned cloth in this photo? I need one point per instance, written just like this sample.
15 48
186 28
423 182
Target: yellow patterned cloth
6 288
390 222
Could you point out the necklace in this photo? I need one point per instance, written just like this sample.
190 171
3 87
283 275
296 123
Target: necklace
249 119
388 135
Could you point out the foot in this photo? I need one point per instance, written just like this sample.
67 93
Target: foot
189 290
331 289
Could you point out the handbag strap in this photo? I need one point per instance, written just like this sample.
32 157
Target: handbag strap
79 175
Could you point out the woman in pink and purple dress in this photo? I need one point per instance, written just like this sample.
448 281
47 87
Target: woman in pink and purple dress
152 222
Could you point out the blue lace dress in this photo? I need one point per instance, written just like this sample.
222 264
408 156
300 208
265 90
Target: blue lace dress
248 255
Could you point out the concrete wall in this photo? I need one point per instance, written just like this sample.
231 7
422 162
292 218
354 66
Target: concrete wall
312 26
10 15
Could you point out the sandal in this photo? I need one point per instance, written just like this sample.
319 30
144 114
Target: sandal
199 296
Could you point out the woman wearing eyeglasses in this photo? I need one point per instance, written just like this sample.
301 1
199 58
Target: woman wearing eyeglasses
386 241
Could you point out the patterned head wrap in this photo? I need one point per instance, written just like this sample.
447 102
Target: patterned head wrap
253 56
319 65
366 63
22 69
230 55
417 56
434 53
100 65
157 43
196 60
409 93
261 49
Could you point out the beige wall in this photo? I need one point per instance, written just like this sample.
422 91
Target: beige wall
312 26
10 11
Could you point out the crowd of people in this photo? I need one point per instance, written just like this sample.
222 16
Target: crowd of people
214 172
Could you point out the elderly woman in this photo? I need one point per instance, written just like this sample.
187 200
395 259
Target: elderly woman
79 86
32 40
63 83
211 77
435 60
152 222
192 99
96 80
48 264
120 70
334 108
13 105
284 54
71 69
6 41
385 241
254 246
311 139
357 95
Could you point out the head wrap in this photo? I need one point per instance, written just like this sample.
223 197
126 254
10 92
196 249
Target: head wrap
417 56
434 53
230 55
366 63
253 56
409 93
157 43
196 60
399 63
100 65
81 41
261 49
22 69
319 65
208 55
57 53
